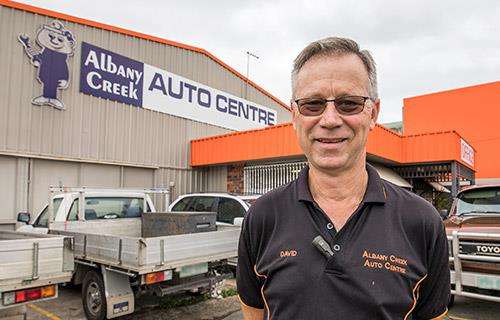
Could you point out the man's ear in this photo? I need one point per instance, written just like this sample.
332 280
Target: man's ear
374 113
294 113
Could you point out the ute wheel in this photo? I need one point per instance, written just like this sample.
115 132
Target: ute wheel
452 301
93 296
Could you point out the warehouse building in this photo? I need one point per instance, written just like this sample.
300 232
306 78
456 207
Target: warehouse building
88 104
472 111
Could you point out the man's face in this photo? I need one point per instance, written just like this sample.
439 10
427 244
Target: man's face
332 141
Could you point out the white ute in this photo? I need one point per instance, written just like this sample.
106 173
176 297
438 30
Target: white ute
114 263
31 266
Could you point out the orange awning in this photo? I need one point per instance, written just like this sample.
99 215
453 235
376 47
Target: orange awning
281 142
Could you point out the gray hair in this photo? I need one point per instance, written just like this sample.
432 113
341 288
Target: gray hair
337 46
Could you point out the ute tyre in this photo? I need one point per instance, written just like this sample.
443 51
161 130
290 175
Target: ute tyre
93 296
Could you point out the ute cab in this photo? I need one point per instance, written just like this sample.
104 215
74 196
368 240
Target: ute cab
112 204
476 209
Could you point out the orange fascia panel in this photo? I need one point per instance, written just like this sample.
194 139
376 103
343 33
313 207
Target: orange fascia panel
280 142
277 142
271 142
433 147
385 143
67 17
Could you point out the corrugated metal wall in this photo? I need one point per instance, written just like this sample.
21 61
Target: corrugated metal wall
13 189
24 185
109 139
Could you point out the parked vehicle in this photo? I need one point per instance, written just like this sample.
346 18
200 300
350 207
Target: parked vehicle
230 208
31 266
473 229
115 263
99 204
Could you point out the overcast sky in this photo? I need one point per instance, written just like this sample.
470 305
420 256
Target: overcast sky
419 46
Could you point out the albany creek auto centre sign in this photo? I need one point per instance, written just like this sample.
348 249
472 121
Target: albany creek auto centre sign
112 76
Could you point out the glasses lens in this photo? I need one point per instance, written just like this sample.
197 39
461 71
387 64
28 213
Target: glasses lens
349 104
311 107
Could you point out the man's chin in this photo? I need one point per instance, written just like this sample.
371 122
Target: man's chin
329 164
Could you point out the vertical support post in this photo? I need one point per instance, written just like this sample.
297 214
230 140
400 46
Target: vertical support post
81 205
454 179
457 263
171 191
166 201
252 180
162 252
120 250
473 178
34 274
122 176
244 178
68 262
84 246
50 207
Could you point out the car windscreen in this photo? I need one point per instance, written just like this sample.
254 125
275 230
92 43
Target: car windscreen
480 201
195 203
112 207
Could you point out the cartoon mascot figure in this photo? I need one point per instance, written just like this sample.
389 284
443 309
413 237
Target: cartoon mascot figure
56 45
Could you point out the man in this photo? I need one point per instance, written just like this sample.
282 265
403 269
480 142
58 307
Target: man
381 252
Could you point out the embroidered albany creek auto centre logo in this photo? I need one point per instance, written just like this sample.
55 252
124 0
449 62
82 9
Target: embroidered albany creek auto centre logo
391 262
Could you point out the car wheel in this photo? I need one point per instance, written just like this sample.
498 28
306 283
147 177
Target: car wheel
93 296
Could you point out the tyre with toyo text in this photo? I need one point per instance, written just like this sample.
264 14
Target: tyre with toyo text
93 296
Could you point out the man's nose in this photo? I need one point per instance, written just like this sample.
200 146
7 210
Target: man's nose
330 118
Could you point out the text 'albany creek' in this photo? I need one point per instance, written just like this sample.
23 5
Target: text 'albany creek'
391 262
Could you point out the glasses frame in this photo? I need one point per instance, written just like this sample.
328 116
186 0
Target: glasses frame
325 103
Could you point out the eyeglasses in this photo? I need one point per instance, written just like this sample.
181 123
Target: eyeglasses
345 105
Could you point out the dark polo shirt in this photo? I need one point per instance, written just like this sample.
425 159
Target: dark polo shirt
390 259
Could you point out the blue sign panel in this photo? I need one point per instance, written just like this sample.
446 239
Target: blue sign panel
111 76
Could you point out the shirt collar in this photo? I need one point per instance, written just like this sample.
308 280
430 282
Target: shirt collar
375 190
